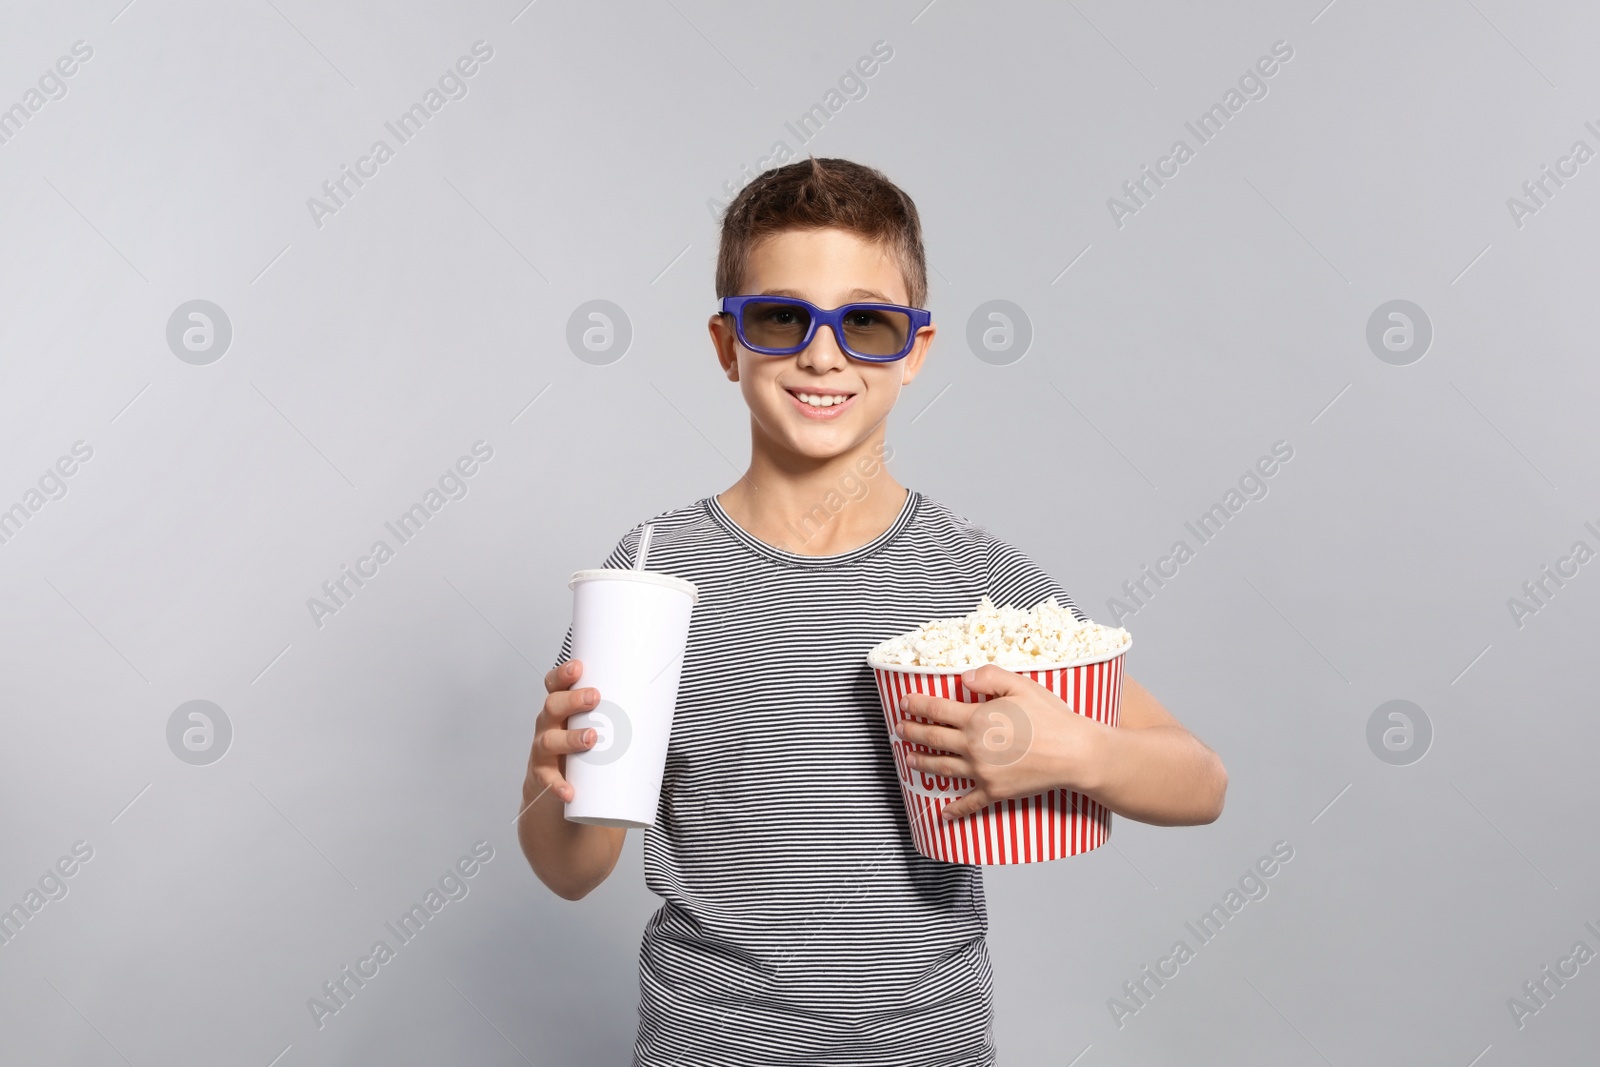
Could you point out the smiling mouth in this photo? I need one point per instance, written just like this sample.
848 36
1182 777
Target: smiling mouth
819 401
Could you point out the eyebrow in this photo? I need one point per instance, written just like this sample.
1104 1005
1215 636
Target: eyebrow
854 294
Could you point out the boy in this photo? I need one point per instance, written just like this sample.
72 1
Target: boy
799 923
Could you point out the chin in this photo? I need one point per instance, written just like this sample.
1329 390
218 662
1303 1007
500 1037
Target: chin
825 443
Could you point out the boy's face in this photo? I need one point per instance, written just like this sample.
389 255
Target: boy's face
828 267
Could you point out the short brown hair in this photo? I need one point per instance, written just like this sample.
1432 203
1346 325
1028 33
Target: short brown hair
815 193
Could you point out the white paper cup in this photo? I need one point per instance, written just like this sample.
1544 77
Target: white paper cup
629 629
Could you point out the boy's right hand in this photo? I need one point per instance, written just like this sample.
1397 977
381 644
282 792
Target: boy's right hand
552 741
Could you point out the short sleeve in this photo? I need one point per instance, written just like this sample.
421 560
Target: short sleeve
1016 580
621 557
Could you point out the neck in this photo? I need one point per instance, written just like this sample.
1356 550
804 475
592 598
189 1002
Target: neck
815 507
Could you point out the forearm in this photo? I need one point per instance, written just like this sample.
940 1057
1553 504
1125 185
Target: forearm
570 858
1161 775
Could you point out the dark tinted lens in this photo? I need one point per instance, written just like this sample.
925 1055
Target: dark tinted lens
770 324
876 332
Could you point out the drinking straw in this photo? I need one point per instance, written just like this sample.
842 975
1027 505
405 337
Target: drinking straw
644 548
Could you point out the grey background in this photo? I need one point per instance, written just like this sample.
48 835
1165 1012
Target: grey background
368 354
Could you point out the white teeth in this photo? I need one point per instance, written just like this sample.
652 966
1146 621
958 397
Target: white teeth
818 401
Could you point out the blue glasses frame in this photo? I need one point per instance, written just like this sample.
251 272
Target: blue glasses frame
734 305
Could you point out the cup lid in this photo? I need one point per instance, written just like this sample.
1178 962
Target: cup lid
682 585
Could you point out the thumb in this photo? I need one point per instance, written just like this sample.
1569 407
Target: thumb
992 680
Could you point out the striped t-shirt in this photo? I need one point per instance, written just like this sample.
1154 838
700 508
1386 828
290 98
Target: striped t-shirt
799 925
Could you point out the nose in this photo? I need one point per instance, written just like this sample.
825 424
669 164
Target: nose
823 353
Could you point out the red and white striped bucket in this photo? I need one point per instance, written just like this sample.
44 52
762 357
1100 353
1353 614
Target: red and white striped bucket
1049 826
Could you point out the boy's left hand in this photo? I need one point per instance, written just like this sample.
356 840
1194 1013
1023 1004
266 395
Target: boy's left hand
1023 740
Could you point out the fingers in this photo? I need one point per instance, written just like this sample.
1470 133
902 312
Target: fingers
548 747
976 800
564 742
551 781
551 740
563 676
944 738
927 706
948 766
563 704
994 680
939 709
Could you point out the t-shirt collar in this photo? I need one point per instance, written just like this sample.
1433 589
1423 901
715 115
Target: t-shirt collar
761 548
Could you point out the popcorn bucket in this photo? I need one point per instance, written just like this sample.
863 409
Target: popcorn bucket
1048 826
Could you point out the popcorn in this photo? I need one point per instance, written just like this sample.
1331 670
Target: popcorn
1009 637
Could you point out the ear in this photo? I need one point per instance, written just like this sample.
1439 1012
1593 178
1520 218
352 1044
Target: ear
912 363
725 341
